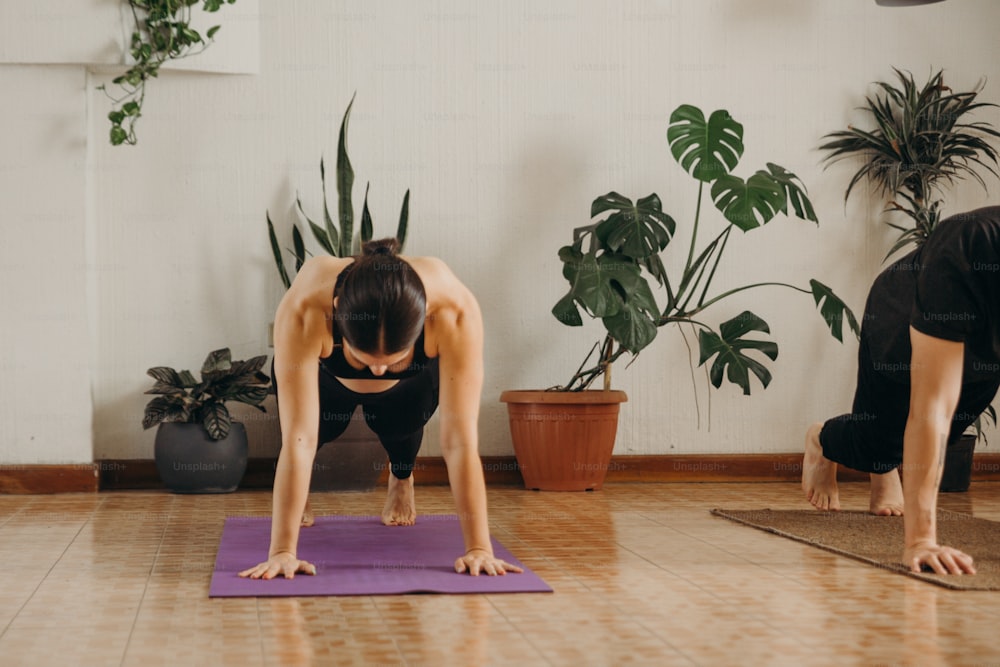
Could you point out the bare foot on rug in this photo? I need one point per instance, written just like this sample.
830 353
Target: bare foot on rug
819 474
400 507
887 495
308 518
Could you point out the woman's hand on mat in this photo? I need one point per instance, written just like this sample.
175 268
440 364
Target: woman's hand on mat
928 556
280 563
479 560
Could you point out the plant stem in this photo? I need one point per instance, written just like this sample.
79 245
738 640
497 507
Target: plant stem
694 232
746 287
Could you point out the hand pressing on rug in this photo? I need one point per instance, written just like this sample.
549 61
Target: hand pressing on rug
480 560
280 563
930 557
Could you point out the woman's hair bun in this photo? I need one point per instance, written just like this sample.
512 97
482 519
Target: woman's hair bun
387 246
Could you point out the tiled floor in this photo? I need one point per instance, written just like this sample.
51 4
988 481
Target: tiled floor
643 575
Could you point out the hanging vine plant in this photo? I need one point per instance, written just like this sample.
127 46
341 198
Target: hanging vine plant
162 33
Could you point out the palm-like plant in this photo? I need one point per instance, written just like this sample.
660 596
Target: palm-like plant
607 279
921 141
338 238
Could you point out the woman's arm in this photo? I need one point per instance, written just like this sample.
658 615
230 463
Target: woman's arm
296 366
935 386
459 333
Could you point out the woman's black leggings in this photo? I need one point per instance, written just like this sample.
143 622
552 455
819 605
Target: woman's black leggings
870 438
397 416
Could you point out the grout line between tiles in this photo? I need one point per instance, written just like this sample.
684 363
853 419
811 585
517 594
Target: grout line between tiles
149 574
516 627
53 566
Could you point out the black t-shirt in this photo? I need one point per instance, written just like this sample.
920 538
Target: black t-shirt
948 288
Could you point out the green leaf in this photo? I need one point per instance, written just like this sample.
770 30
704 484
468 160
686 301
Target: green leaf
366 225
612 288
212 5
637 231
164 388
299 247
706 150
170 408
248 395
276 252
211 31
795 192
165 375
187 380
217 361
116 117
329 244
249 367
215 419
833 310
634 326
590 283
118 135
728 348
748 204
566 311
345 186
404 218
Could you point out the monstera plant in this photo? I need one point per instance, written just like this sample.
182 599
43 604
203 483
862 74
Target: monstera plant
610 262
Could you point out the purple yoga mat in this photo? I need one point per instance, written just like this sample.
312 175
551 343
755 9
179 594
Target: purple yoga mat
357 555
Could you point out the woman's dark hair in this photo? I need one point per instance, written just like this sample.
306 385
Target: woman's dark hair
382 302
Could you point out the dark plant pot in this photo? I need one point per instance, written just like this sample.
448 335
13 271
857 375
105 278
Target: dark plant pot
352 462
563 440
958 465
191 462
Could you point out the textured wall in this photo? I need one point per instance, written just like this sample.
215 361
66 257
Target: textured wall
505 120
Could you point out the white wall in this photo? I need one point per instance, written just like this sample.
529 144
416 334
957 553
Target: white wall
505 120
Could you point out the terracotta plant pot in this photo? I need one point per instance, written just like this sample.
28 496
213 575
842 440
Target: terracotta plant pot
563 440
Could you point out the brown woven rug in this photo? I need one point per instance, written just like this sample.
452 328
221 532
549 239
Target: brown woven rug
878 540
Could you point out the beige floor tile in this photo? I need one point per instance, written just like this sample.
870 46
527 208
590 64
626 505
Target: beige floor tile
643 575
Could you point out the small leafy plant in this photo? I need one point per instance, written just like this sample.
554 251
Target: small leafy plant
162 33
337 238
608 277
182 398
921 141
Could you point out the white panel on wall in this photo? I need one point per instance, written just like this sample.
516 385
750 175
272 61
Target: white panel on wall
45 404
97 32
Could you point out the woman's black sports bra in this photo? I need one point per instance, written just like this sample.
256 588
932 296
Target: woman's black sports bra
337 366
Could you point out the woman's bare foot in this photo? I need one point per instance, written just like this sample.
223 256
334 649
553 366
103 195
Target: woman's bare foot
887 494
308 518
400 507
819 474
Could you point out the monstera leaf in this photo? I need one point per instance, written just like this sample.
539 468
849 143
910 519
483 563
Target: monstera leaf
638 230
748 204
795 192
590 277
611 287
706 150
833 310
634 326
728 350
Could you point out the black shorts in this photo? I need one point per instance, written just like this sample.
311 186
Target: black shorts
397 416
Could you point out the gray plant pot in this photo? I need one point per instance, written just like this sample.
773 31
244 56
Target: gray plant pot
189 461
